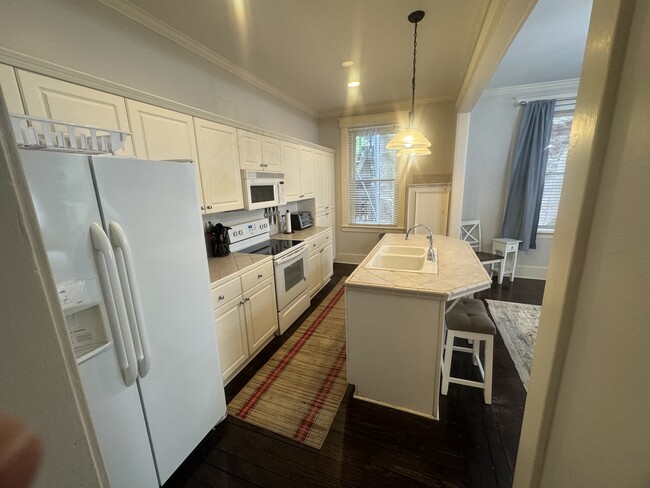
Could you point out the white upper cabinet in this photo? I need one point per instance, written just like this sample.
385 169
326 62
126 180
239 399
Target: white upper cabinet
250 150
161 134
219 166
60 100
324 163
271 159
10 90
330 192
291 169
307 172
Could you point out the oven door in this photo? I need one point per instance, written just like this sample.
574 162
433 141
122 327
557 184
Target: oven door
290 275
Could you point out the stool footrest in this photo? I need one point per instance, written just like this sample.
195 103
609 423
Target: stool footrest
461 381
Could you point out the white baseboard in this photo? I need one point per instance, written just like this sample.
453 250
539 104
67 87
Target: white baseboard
349 258
531 272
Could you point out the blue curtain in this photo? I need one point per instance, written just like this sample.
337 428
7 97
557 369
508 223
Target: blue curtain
527 181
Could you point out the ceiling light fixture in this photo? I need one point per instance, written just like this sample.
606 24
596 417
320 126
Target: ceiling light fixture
354 84
411 141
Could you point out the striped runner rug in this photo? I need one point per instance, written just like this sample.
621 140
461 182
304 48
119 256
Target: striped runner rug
297 393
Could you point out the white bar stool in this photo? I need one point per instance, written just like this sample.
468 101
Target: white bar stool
468 319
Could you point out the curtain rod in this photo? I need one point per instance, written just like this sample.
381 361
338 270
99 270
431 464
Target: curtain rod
564 99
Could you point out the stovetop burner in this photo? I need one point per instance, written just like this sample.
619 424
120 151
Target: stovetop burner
272 247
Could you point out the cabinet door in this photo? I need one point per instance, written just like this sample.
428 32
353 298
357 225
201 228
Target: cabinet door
327 262
231 337
250 150
291 168
161 134
320 183
56 99
219 166
314 273
307 173
261 314
10 91
428 205
329 181
271 160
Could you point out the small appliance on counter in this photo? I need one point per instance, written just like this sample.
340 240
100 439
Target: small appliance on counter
301 220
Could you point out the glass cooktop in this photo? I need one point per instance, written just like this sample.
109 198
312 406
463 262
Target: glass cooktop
272 247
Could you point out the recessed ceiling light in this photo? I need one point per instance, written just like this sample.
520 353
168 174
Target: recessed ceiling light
347 64
354 84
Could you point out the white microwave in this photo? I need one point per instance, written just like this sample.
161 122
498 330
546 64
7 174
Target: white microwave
262 189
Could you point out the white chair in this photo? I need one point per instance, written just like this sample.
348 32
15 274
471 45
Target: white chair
468 319
470 231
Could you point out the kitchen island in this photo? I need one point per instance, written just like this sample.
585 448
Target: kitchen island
395 322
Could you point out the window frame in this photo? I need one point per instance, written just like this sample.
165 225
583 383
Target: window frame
397 119
568 107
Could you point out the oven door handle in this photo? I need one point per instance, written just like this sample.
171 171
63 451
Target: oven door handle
291 255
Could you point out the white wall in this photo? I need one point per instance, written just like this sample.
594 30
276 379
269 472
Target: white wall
438 122
600 433
492 129
92 38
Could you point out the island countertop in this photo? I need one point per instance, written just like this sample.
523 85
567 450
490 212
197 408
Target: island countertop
459 270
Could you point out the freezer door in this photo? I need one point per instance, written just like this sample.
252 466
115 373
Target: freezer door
62 190
154 205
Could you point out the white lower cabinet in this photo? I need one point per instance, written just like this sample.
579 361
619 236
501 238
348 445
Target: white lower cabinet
320 261
245 317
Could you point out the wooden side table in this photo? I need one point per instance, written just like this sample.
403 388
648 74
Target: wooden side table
508 248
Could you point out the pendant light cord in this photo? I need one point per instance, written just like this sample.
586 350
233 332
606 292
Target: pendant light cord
415 46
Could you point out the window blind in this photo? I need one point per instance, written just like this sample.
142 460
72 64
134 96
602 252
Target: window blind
373 176
555 167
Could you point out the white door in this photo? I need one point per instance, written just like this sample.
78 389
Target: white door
307 173
250 150
56 99
314 273
219 166
155 204
64 198
291 170
261 314
271 154
429 205
10 91
231 336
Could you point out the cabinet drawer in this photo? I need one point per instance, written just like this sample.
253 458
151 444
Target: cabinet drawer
512 246
324 239
259 274
222 294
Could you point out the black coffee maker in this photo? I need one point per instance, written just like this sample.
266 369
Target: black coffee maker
216 238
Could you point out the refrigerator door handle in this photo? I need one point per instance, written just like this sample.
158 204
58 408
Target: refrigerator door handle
131 292
116 310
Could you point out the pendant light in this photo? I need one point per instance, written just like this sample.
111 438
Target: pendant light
411 141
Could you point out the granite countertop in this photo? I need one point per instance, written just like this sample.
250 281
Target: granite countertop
301 235
459 270
235 262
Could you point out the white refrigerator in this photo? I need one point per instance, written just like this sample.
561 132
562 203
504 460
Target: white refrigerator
125 243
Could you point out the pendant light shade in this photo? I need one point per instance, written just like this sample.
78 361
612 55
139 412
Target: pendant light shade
411 141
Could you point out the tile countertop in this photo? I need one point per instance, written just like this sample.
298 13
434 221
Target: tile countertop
235 262
301 235
459 270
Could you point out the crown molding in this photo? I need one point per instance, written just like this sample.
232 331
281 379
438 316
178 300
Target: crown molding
556 88
150 22
36 65
381 108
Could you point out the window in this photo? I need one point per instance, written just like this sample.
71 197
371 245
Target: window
373 177
555 166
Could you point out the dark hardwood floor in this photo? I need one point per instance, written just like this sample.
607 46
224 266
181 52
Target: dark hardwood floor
472 445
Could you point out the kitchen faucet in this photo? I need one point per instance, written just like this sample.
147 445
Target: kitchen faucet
431 255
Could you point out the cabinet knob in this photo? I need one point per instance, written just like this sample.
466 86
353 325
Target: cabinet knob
221 297
247 299
260 275
202 207
209 207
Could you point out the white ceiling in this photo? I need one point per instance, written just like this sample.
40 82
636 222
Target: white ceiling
297 46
